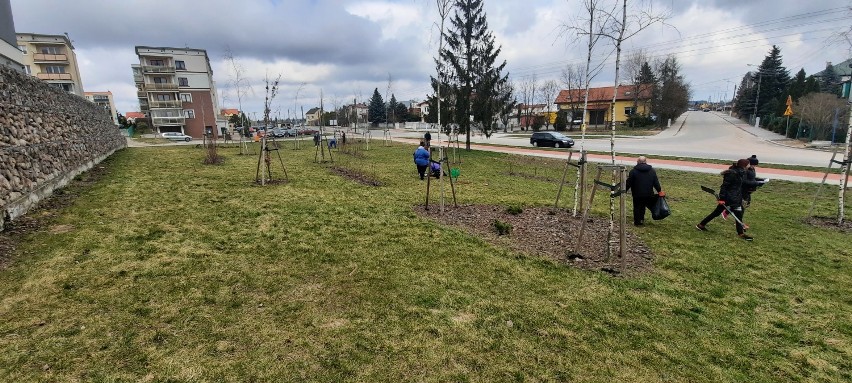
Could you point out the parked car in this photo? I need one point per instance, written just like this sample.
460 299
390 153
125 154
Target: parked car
176 136
555 139
706 109
292 132
308 131
278 132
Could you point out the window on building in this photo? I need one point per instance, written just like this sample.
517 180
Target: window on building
23 48
186 97
66 87
51 50
189 113
180 64
28 69
156 62
163 97
183 81
55 69
629 110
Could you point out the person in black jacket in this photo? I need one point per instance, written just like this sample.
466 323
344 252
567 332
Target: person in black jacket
734 180
643 180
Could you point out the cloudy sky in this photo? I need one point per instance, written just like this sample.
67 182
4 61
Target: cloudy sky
346 48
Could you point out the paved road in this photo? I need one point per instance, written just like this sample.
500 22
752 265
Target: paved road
707 135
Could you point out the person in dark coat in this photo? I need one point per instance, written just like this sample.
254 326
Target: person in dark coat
734 180
421 159
427 139
643 180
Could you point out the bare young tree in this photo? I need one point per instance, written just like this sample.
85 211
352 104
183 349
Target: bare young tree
572 83
529 86
241 86
444 9
548 94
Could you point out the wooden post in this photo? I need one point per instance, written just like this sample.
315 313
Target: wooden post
586 210
622 230
562 183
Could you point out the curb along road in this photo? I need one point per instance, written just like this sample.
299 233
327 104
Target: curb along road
690 166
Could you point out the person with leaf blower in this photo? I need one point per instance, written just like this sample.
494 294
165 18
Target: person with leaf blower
730 197
751 175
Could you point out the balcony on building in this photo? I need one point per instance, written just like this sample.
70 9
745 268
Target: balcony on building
44 58
160 86
167 104
157 64
57 76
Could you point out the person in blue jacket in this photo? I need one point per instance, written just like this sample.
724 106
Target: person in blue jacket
421 159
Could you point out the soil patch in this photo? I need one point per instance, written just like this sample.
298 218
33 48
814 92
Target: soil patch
546 232
830 223
355 175
42 216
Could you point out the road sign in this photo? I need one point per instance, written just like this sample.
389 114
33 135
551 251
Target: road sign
789 111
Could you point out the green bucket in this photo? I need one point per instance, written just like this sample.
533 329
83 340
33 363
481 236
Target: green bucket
454 172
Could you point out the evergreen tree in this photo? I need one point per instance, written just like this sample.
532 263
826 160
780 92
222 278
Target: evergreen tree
392 104
472 74
376 109
829 82
645 80
811 85
401 113
744 99
797 89
773 79
674 92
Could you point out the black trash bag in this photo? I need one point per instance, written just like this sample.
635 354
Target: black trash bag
660 209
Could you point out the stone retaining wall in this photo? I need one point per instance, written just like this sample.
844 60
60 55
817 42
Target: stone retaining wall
47 137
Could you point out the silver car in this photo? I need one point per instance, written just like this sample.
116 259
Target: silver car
176 136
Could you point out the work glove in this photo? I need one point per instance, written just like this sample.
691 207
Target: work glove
765 181
721 202
661 193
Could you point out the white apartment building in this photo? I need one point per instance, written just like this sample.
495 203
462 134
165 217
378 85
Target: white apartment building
105 101
176 90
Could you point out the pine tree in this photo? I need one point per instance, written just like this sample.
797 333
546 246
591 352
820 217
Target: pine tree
391 113
829 82
796 89
673 99
773 78
645 80
376 110
472 74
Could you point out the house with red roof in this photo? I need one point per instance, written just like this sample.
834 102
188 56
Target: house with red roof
630 100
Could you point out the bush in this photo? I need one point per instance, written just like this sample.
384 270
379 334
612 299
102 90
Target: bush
503 228
638 121
514 209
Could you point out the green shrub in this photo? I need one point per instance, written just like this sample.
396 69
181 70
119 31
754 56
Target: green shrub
514 209
503 228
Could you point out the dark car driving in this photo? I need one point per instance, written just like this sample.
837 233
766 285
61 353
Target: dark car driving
555 139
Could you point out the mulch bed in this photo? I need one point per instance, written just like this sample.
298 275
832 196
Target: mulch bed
355 175
830 223
550 233
42 216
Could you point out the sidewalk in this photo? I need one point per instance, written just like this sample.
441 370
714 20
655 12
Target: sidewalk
689 166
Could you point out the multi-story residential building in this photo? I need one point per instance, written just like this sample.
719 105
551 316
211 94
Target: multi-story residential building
312 117
105 101
176 90
52 59
10 55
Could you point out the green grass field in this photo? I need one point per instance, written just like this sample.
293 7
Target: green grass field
168 270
